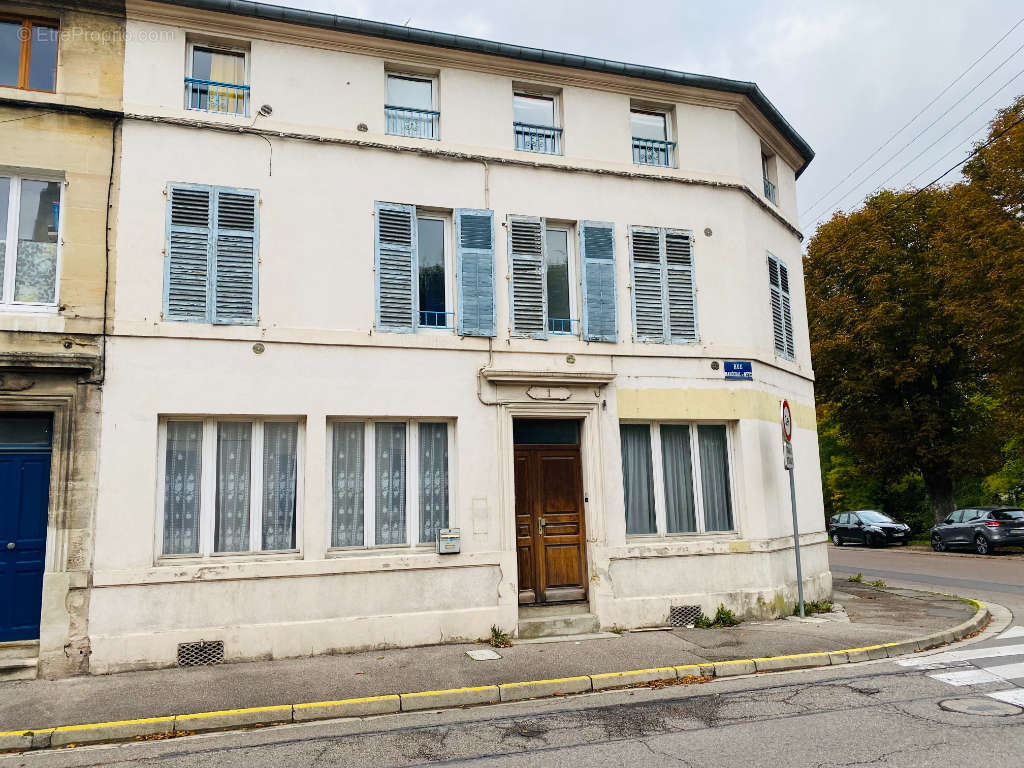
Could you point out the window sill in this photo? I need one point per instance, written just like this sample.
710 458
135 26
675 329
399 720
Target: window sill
400 551
163 561
655 538
28 309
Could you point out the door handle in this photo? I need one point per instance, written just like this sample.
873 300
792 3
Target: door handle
540 525
11 545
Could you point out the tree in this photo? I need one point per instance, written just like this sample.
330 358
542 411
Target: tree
998 170
896 359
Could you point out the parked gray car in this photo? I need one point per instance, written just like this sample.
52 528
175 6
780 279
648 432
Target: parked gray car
980 528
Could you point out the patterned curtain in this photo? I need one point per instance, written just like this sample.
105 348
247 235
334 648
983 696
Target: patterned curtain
433 480
676 461
390 469
234 481
182 485
347 485
637 477
280 441
714 472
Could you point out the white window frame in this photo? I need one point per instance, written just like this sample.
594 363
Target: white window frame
432 79
665 112
539 93
658 478
412 482
575 286
217 47
208 487
449 270
7 302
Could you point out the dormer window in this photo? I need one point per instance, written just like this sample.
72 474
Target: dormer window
650 131
28 54
410 108
535 124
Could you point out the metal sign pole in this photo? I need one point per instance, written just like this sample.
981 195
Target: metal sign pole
796 543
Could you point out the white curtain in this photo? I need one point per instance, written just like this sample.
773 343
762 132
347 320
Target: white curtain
714 471
234 481
637 477
347 485
433 480
280 443
182 484
390 483
677 463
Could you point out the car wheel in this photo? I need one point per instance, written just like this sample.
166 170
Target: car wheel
981 545
836 540
938 544
870 540
904 543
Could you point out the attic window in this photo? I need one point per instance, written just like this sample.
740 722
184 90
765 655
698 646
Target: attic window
28 54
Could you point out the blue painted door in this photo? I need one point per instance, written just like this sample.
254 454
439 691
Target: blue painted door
24 501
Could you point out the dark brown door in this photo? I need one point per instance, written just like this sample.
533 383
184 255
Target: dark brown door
549 524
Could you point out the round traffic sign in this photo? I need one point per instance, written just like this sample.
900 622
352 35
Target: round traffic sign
787 421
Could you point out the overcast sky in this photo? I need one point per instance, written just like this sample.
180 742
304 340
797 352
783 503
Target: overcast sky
847 75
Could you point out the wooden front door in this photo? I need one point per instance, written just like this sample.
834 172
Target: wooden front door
549 523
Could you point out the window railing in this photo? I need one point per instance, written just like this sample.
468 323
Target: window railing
564 326
417 123
653 152
432 319
212 96
538 138
769 191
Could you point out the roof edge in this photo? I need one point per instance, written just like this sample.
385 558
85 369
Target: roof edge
537 55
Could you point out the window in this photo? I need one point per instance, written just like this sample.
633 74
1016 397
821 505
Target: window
543 280
782 316
561 296
29 242
230 485
676 478
414 270
389 482
210 258
217 81
28 54
664 292
410 108
768 172
650 138
535 124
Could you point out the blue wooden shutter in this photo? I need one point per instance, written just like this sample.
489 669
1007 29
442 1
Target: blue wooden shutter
526 249
680 288
187 252
597 257
646 249
397 280
474 238
235 262
782 317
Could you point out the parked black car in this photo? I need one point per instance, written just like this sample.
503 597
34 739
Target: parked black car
980 528
867 526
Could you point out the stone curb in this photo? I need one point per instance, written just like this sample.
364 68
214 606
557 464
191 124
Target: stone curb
180 725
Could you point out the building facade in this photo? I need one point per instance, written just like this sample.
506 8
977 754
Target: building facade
377 287
60 104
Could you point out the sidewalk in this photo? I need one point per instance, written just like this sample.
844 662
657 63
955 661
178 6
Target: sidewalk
872 617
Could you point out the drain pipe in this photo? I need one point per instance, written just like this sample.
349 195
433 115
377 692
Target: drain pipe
480 374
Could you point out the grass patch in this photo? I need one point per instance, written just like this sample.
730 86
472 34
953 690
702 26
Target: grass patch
499 638
858 579
813 606
723 618
879 583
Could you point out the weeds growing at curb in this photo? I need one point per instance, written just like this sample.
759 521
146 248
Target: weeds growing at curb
499 638
878 583
723 618
813 606
858 579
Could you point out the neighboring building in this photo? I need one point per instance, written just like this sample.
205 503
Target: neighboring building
60 102
374 283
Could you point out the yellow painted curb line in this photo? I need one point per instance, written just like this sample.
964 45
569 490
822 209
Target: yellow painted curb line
679 670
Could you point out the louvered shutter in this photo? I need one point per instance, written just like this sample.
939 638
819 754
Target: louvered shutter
682 299
474 238
526 252
782 316
187 253
648 287
397 286
597 257
235 256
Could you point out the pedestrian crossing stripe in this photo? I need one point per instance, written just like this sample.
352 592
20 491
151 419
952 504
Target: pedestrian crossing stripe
987 675
1012 696
968 655
1011 633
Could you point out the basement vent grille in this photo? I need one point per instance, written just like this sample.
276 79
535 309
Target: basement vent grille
683 615
200 654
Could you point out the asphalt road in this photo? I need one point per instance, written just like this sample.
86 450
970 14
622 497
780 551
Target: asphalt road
875 714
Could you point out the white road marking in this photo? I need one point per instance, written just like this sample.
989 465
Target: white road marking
1012 696
968 655
968 677
1012 632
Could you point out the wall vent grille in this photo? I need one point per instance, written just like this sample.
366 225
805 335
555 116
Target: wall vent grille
203 653
683 615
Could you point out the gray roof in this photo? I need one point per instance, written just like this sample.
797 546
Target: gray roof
462 43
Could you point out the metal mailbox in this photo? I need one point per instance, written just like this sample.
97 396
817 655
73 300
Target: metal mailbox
449 541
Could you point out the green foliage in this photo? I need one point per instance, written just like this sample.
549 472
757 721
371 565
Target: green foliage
723 618
499 638
858 579
813 606
878 583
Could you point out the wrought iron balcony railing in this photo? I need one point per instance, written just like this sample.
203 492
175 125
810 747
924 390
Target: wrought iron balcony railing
538 138
212 96
769 191
417 123
653 152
